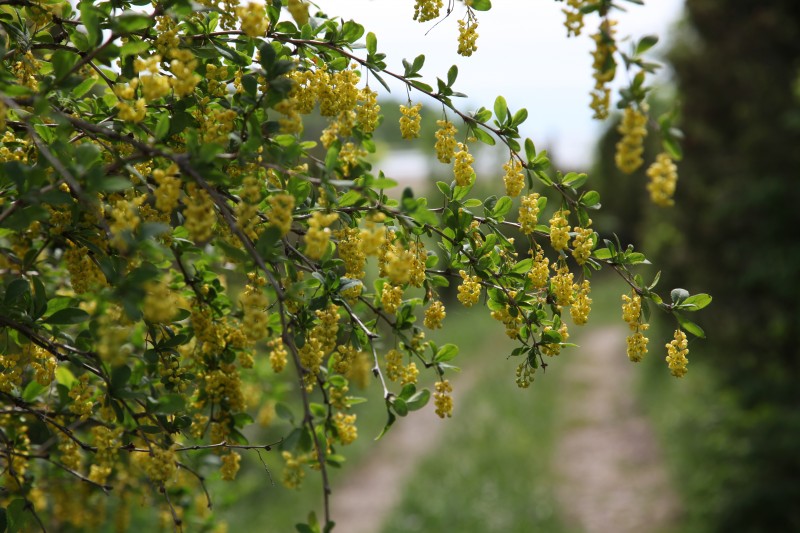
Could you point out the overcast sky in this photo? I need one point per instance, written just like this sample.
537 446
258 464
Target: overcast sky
523 53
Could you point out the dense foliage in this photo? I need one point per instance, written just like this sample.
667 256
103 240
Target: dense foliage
181 261
738 72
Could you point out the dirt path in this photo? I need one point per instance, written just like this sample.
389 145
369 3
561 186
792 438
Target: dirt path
610 473
363 500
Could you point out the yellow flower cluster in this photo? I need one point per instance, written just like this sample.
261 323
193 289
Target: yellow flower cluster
410 121
168 188
445 141
44 365
539 273
11 376
462 168
107 443
160 302
416 271
182 67
529 213
442 399
351 252
425 10
394 364
562 284
293 473
467 35
299 11
513 178
230 466
368 111
391 298
337 92
254 309
216 124
280 213
631 313
604 68
663 176
559 230
349 156
511 322
524 375
277 354
247 210
551 350
582 244
161 464
199 215
81 395
346 429
470 289
582 305
166 34
254 19
154 85
130 113
630 147
434 315
318 235
574 21
677 350
84 274
372 237
343 358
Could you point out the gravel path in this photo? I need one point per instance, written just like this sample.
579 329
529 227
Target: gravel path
610 473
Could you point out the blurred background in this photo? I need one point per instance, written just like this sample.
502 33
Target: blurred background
721 447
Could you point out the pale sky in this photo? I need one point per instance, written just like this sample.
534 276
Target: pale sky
523 54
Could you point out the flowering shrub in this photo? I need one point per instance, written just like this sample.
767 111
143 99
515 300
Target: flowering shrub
179 257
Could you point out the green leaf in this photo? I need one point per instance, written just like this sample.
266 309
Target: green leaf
481 5
399 406
349 198
448 352
502 207
130 22
590 198
452 74
17 515
575 180
83 87
530 150
133 48
372 43
696 302
690 326
169 404
70 315
519 117
388 425
162 126
31 392
418 400
646 43
673 148
483 136
444 188
500 109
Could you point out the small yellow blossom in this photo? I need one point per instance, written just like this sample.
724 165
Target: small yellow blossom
677 350
470 289
442 399
513 179
445 141
559 229
434 315
663 176
410 121
462 168
467 35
